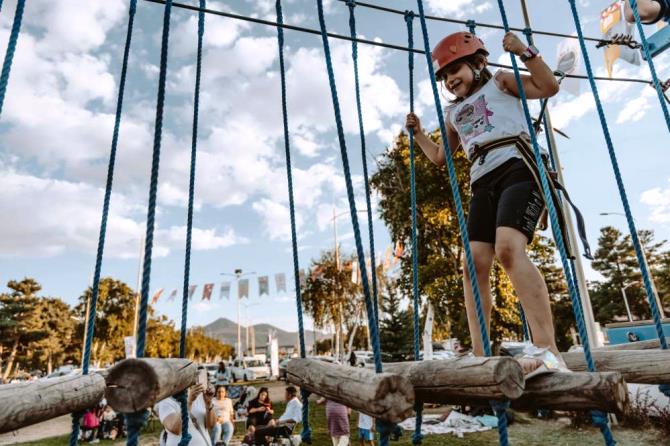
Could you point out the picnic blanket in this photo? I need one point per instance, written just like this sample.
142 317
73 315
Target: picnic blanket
456 423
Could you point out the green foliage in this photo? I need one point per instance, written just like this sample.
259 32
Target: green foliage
396 329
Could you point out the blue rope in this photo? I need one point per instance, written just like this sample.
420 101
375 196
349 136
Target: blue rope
1 5
354 54
11 48
622 190
185 436
558 236
306 434
650 61
374 334
453 181
134 419
409 19
95 290
471 24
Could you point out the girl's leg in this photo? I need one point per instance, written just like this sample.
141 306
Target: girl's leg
228 429
215 433
482 254
649 11
510 249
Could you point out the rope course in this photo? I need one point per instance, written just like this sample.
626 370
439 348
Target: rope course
11 48
375 43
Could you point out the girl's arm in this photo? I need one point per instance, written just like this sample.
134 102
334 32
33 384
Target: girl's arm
434 152
540 84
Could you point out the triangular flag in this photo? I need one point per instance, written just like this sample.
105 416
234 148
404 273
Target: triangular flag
225 290
354 272
156 296
302 278
207 291
243 288
280 282
173 295
191 290
263 285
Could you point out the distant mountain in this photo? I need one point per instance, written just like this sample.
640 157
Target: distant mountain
225 331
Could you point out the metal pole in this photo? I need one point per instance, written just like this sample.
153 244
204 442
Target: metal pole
589 319
625 301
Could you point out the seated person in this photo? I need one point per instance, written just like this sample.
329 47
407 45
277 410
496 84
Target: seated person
284 426
651 11
202 417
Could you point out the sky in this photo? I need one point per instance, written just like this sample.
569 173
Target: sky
56 130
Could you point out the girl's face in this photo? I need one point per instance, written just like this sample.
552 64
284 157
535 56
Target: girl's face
221 393
458 79
263 396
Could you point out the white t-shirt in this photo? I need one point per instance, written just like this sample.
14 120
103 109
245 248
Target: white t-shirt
199 437
364 421
223 409
293 411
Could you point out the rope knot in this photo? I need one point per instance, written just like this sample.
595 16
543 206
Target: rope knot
471 24
409 15
351 3
527 32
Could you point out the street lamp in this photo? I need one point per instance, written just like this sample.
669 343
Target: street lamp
646 265
237 274
625 300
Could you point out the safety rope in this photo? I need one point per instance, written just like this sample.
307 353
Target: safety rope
135 420
95 289
306 434
11 49
409 19
499 409
354 54
599 419
374 334
650 61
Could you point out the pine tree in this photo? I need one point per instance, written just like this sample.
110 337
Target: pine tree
395 329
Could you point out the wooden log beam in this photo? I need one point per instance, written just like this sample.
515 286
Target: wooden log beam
605 391
636 366
386 396
639 345
36 401
459 380
138 383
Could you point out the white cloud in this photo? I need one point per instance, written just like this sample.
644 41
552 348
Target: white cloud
457 8
658 200
276 219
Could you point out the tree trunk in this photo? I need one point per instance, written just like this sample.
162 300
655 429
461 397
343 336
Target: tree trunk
49 363
10 361
36 401
380 395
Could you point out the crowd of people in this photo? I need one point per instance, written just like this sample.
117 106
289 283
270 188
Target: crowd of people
101 422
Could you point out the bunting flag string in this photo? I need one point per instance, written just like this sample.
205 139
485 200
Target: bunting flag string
280 282
263 285
191 290
207 291
243 288
173 295
225 290
156 296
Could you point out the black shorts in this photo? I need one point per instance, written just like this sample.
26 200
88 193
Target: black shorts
507 196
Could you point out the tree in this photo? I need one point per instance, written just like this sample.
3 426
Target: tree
396 329
615 259
54 317
18 327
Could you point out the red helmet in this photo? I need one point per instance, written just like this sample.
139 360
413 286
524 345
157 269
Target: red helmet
456 46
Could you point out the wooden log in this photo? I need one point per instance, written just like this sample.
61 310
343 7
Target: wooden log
386 396
459 380
636 366
36 401
138 383
604 391
639 345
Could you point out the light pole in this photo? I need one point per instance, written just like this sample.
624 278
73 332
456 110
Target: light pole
238 275
587 309
625 301
246 321
646 265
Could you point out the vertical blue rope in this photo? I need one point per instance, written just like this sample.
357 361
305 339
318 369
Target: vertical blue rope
498 407
182 397
11 48
622 190
409 19
1 5
134 420
95 290
306 434
354 54
599 419
374 334
650 61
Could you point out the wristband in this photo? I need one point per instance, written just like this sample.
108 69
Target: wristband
530 53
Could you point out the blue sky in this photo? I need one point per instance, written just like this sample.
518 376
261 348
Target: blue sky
57 122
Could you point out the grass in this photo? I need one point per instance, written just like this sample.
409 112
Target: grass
526 432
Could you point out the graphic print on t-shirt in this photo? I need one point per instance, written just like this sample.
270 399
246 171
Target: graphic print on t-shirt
473 119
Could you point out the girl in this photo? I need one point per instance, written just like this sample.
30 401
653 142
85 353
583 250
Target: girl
259 411
225 416
506 203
